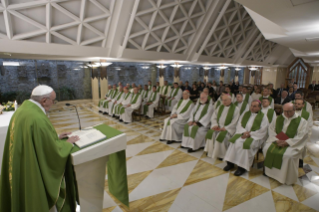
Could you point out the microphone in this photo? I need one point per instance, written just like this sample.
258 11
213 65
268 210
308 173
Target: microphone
68 105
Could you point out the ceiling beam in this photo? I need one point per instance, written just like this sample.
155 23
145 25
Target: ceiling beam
196 55
241 59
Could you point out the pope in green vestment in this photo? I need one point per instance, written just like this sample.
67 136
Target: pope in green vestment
34 174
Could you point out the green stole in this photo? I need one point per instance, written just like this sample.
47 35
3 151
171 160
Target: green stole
305 114
183 110
118 108
222 134
246 97
195 128
166 88
158 89
243 107
270 114
269 97
275 153
218 103
152 99
133 101
174 94
256 126
112 96
145 94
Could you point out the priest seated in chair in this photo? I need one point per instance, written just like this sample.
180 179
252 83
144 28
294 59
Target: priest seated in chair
118 99
124 101
100 104
127 110
242 105
250 134
109 99
223 126
284 146
268 111
174 125
174 96
151 103
198 124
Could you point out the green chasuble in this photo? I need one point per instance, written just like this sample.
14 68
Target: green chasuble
165 87
195 128
275 153
173 94
269 97
256 126
222 134
118 108
34 165
243 107
246 97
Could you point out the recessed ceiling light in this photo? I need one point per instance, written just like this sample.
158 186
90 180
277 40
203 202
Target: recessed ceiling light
10 63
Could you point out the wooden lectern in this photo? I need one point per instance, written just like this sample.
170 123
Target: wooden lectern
89 167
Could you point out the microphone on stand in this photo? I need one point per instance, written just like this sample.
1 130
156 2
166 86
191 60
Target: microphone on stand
68 105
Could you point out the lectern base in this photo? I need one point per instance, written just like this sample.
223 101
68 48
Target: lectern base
90 178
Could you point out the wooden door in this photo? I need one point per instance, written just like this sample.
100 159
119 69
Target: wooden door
299 71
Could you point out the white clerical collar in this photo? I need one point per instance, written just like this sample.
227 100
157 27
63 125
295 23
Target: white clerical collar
265 96
38 104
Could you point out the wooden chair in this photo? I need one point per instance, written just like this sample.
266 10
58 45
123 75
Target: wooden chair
136 115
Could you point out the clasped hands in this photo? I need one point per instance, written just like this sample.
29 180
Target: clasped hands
71 139
192 123
217 128
282 143
245 135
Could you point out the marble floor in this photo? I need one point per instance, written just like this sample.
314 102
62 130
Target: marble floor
165 177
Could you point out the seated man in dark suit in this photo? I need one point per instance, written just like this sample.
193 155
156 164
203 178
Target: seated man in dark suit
273 92
312 86
280 90
283 99
187 87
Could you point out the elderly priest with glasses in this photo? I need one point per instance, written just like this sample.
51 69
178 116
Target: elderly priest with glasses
174 125
284 146
34 171
251 132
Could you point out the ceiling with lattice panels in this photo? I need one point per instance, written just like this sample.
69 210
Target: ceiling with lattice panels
166 25
261 50
230 32
73 22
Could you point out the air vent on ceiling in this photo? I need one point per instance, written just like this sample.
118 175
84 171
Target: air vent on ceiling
312 39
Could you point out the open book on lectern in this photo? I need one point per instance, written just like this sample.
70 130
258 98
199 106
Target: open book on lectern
88 136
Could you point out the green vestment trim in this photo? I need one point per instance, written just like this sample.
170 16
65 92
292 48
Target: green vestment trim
195 128
256 126
183 110
174 94
275 153
153 97
305 114
243 107
270 114
246 97
222 134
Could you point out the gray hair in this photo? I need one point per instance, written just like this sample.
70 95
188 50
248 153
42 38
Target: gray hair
39 98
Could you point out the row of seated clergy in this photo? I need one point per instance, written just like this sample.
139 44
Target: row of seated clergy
150 103
245 134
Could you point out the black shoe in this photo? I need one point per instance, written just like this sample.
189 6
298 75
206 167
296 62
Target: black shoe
239 171
191 150
170 142
300 163
125 122
113 115
162 140
221 159
229 166
121 120
100 111
183 147
105 113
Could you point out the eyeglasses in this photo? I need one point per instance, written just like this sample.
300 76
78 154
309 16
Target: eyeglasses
54 101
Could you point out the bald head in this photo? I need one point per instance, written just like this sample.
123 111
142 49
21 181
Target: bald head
289 109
